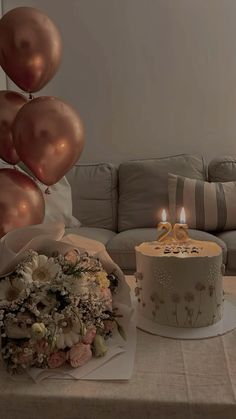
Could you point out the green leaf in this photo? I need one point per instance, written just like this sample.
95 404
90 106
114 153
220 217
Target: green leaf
121 331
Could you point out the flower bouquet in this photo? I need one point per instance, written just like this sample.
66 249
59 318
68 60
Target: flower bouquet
56 310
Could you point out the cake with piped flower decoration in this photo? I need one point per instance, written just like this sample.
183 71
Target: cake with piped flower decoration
179 283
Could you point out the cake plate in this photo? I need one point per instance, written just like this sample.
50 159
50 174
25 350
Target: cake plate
226 324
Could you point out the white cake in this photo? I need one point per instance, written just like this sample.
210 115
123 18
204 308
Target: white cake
180 284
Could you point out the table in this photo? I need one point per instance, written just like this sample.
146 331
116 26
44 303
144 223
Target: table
172 379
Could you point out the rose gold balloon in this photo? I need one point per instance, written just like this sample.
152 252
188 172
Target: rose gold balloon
30 48
10 103
48 136
21 201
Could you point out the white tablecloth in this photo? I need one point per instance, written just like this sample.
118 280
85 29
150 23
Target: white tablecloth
172 379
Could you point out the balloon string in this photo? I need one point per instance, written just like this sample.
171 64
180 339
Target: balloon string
31 96
47 191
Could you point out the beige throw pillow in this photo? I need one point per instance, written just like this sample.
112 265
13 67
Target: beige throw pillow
209 206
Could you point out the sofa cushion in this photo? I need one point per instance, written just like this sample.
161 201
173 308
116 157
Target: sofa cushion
94 194
222 169
229 238
209 206
143 187
100 234
121 246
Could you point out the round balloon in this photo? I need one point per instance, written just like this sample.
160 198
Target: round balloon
48 136
30 48
10 104
21 201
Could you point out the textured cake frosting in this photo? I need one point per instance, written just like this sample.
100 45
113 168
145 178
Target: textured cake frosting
180 284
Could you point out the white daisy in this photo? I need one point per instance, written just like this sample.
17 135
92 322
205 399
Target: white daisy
11 290
70 334
41 269
79 286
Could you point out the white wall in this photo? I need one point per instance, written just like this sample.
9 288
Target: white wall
149 77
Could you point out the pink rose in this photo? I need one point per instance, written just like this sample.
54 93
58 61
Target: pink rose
25 358
41 346
89 336
57 359
71 257
79 355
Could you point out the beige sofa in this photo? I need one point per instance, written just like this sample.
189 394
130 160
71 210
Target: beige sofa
118 205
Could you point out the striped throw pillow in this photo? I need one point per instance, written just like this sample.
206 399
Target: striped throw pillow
209 206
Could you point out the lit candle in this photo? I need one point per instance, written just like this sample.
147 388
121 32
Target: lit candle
182 217
165 227
163 216
180 229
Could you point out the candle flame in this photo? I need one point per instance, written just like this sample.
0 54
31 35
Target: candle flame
182 216
163 216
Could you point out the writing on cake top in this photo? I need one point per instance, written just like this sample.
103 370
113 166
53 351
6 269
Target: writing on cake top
190 248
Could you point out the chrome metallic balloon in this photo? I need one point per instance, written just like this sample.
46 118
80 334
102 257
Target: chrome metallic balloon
10 104
49 137
21 201
30 48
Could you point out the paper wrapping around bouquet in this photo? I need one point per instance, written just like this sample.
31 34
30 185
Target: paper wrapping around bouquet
15 243
48 238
